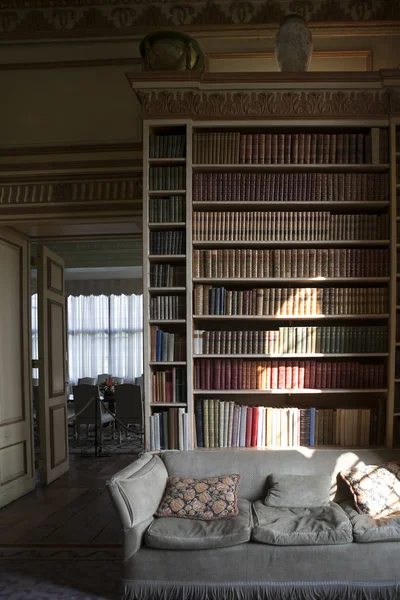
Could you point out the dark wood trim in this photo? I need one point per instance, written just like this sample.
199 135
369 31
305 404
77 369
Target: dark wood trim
72 64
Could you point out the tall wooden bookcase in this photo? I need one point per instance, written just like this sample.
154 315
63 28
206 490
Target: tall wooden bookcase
284 240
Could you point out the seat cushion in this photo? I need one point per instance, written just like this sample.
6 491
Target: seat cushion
301 526
173 533
367 529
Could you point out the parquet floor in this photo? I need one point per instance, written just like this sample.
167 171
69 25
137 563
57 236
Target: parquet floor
74 510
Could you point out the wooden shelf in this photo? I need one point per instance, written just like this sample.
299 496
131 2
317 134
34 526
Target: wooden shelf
305 355
163 290
294 391
287 317
289 243
244 205
176 225
168 404
364 168
274 280
166 192
166 161
166 257
156 363
163 321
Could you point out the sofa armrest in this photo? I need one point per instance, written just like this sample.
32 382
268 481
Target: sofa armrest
136 492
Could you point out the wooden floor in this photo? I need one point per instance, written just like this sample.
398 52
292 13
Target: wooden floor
74 510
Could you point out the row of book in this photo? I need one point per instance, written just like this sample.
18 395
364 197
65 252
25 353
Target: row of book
225 424
293 340
169 385
290 148
290 187
261 226
167 242
167 178
169 430
167 307
167 210
167 145
290 263
288 302
166 275
166 346
244 374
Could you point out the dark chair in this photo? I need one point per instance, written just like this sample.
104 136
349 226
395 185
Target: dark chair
129 408
86 397
87 381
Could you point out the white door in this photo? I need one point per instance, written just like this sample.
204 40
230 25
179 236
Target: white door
53 424
17 473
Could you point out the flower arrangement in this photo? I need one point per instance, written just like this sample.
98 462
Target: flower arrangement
107 387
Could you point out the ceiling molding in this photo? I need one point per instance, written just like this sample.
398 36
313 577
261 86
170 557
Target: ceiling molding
72 64
39 20
90 148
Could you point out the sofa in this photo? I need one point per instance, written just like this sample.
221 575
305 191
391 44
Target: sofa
184 559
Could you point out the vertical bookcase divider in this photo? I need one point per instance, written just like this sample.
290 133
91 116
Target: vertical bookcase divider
393 420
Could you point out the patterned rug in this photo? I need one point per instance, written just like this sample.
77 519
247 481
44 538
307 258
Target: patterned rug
132 444
60 573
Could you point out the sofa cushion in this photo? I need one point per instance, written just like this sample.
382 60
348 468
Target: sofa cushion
297 491
367 529
186 534
205 499
301 526
375 488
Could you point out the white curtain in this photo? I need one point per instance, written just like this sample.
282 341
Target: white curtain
105 336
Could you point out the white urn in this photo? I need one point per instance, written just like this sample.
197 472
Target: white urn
293 44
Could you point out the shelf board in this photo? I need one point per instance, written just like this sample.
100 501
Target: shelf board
293 167
176 225
397 343
294 391
166 257
274 280
166 161
304 355
166 192
244 205
167 362
396 414
162 321
162 290
288 243
167 404
397 380
287 317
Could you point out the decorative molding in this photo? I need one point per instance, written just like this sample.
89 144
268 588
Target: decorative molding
265 104
88 192
133 146
72 19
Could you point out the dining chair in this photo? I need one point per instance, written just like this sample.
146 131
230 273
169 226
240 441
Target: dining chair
86 401
139 382
129 408
87 381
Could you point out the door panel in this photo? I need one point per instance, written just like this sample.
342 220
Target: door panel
54 459
17 475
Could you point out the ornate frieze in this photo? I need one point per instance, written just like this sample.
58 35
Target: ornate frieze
265 104
43 19
81 191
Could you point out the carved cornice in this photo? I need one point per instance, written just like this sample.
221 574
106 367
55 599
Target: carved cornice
55 19
90 193
276 104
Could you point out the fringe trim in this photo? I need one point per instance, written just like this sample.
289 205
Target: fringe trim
269 590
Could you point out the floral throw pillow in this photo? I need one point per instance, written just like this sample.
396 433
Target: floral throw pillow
203 499
375 488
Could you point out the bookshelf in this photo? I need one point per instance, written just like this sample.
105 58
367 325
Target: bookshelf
285 286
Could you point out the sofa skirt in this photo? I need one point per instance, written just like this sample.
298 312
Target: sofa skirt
301 590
